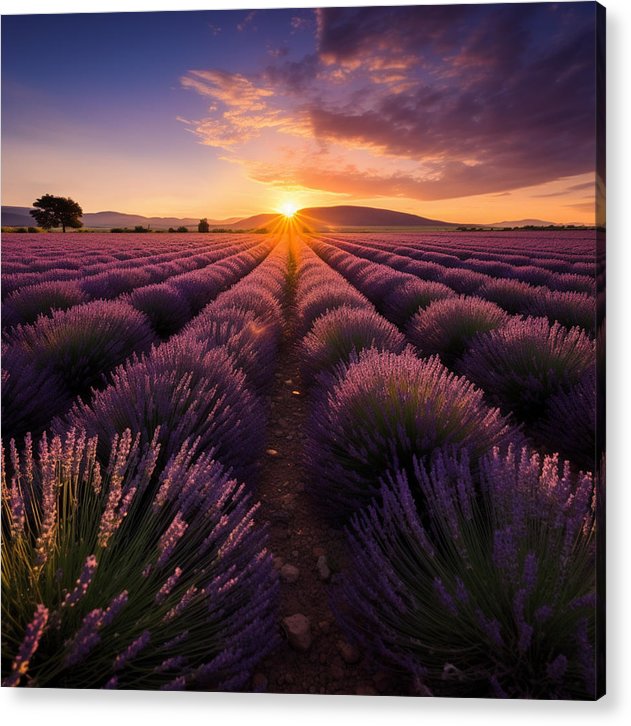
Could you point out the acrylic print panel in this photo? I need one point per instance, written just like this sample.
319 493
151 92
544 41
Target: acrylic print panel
319 408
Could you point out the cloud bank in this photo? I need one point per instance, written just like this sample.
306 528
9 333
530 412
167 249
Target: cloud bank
427 103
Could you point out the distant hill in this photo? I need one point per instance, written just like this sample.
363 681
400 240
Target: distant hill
20 217
258 221
313 217
17 217
351 216
345 216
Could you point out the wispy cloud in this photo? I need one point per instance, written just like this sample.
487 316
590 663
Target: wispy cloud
247 23
466 100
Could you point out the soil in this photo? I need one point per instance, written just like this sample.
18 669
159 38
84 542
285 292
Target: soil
298 536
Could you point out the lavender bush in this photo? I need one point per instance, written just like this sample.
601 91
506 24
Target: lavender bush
327 296
199 287
257 298
164 305
574 283
568 424
383 411
402 301
338 335
252 342
567 308
446 327
524 363
112 283
23 306
490 589
188 391
30 396
126 577
82 343
465 282
60 357
514 296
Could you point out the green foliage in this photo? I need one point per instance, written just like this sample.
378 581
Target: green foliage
136 577
51 211
203 225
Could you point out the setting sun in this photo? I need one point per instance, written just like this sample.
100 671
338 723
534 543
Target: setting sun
288 209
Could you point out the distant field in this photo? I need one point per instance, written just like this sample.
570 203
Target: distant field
397 406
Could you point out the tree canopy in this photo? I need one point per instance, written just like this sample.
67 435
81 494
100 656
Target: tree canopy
51 211
203 225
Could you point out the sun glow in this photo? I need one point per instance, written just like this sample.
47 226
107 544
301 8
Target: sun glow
288 209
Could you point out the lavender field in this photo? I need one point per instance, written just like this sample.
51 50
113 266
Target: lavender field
346 463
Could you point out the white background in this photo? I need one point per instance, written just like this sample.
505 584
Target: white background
97 708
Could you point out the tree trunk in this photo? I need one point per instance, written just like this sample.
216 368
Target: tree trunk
63 226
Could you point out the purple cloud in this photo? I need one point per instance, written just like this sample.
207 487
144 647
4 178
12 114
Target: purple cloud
479 98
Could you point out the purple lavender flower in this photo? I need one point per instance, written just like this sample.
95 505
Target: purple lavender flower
525 362
568 424
164 305
132 650
338 335
446 327
186 390
493 599
403 301
557 668
82 583
79 345
382 412
170 538
85 639
207 623
23 306
28 647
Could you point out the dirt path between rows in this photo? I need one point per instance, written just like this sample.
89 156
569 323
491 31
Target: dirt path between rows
299 538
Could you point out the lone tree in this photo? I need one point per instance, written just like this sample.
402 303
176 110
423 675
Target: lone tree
203 225
51 211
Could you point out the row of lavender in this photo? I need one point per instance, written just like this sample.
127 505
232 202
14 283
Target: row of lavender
54 257
556 251
129 536
534 368
147 279
559 294
49 362
451 516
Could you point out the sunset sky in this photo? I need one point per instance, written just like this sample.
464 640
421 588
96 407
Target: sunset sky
469 114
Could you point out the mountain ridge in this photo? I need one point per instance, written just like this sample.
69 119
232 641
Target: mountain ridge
345 216
316 218
19 217
313 217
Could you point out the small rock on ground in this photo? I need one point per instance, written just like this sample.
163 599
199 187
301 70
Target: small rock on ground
289 573
349 653
323 568
298 630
